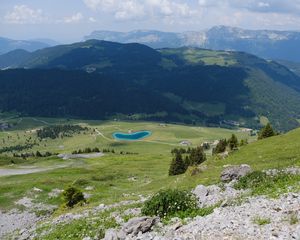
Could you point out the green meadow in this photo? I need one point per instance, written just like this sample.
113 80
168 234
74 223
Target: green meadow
118 176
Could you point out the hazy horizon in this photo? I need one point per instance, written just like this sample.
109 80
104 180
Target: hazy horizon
73 19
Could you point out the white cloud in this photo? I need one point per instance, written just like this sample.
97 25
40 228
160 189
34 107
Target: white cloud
263 4
104 5
22 14
137 9
93 20
77 17
129 10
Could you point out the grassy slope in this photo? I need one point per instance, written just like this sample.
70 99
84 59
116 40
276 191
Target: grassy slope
110 175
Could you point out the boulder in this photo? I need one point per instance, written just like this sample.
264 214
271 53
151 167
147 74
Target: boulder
139 224
235 172
208 196
113 234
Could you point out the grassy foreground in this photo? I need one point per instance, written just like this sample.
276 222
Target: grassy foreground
116 177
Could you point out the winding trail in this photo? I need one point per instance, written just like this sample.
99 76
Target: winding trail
102 135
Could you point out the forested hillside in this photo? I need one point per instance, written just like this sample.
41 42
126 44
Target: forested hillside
98 79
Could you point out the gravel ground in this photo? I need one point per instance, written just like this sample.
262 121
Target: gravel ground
239 222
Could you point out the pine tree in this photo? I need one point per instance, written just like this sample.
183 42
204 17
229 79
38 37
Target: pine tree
221 147
266 132
197 156
38 154
177 165
233 142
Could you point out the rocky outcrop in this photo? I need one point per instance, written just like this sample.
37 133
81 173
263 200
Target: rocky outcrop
139 224
135 226
235 172
212 195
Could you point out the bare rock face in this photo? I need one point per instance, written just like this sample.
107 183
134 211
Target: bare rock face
235 172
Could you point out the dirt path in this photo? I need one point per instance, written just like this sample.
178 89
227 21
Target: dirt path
101 134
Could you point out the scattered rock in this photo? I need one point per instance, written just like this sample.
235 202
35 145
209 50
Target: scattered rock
236 222
14 220
132 211
235 172
139 224
290 170
87 195
55 193
132 179
176 226
35 189
212 195
89 188
223 155
112 234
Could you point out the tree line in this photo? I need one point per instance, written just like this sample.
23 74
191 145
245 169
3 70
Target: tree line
184 158
57 131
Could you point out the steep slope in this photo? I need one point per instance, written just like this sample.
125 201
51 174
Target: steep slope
184 84
264 43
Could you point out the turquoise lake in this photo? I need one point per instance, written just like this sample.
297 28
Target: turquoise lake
131 136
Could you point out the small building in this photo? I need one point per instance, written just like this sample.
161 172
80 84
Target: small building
185 143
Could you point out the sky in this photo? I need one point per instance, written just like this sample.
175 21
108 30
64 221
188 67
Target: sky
70 20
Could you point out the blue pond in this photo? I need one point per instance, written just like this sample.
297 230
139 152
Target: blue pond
131 136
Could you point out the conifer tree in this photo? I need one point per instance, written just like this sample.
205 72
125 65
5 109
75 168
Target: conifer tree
221 146
233 142
177 165
266 132
38 154
197 156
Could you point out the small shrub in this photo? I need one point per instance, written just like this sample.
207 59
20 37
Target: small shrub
80 182
273 185
261 221
251 180
294 219
192 213
169 202
243 142
73 196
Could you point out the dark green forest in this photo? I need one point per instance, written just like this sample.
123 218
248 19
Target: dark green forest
102 80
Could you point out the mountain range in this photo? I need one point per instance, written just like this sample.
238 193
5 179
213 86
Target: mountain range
7 45
268 44
101 80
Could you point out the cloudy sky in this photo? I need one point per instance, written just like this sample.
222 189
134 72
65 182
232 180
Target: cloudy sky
70 20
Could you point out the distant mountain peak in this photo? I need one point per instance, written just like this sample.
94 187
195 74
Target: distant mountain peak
269 44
